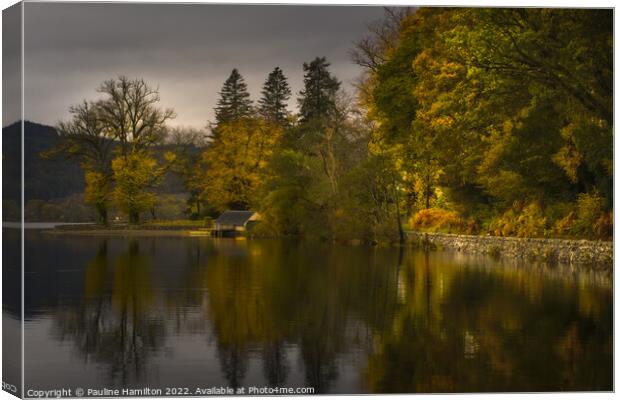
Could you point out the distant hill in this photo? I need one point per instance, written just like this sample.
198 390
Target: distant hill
47 179
44 179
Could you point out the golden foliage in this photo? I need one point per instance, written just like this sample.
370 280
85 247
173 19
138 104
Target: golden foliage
234 162
527 221
440 220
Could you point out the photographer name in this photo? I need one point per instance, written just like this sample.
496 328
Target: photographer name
105 392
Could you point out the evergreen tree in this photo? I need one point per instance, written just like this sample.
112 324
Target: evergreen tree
234 103
318 98
275 94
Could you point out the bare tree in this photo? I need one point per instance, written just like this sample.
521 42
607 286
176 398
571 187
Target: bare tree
86 138
370 52
131 115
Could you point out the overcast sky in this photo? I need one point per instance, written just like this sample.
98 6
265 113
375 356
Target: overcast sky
188 50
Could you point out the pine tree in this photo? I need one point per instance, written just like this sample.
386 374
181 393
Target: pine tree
275 94
318 98
234 103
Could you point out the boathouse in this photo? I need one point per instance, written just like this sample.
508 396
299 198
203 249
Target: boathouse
233 223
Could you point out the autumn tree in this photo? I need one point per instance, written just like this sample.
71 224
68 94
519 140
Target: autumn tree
386 53
131 114
234 161
493 108
135 176
302 192
275 95
113 138
87 138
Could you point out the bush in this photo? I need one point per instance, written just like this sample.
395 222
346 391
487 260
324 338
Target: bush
440 220
519 221
587 218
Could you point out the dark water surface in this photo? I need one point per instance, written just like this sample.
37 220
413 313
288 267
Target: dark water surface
196 312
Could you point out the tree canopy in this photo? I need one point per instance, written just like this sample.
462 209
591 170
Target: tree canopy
234 102
478 120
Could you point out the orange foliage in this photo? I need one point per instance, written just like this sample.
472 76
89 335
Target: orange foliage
440 220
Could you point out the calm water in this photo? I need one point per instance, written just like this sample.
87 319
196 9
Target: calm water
197 312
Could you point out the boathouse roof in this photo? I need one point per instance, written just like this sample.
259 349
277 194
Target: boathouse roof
233 217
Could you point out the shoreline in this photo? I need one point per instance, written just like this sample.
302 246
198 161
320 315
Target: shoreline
125 232
579 252
552 251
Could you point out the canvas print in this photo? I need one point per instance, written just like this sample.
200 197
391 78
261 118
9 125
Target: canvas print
226 199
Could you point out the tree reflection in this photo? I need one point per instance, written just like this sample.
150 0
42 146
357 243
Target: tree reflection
471 329
265 296
114 323
412 321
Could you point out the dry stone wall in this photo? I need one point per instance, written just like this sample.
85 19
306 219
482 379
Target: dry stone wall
578 252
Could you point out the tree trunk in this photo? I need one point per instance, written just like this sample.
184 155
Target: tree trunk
103 214
134 217
401 232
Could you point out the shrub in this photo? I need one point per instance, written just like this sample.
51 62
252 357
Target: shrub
604 226
592 219
440 220
519 221
587 218
565 226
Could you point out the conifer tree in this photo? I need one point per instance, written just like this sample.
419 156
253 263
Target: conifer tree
275 94
318 98
234 103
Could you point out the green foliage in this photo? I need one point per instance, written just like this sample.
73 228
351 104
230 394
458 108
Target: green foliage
234 102
318 98
275 94
187 144
170 207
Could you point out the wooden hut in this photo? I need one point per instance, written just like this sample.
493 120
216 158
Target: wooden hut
233 223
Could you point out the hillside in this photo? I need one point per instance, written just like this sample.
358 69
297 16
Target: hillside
44 179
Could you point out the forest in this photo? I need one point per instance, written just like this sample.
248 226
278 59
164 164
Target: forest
465 120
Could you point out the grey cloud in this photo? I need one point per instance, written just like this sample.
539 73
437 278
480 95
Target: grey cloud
188 50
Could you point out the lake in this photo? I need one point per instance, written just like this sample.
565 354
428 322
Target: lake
193 313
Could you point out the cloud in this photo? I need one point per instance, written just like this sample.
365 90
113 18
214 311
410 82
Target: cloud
186 49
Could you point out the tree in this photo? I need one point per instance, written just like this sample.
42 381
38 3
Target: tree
189 144
97 193
302 191
135 175
130 113
373 50
234 102
87 138
234 162
495 112
318 98
275 94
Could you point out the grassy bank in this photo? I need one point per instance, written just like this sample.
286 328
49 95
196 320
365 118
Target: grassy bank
151 228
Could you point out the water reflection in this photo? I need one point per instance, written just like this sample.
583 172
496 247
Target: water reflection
340 319
116 323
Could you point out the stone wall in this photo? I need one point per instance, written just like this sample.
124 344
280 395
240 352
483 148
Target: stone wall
579 252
